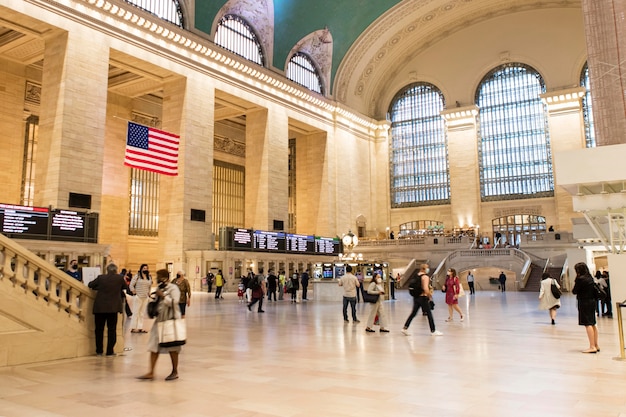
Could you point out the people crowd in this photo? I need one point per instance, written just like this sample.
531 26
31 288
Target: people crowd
116 293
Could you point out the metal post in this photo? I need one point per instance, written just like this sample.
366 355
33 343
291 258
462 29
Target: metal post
620 328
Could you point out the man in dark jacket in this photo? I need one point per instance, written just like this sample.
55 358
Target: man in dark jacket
107 305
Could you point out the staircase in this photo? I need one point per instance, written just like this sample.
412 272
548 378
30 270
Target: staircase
44 313
534 279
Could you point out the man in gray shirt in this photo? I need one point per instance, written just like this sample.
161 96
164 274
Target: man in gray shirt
350 283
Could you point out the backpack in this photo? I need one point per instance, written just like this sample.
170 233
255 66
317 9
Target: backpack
415 287
600 294
255 283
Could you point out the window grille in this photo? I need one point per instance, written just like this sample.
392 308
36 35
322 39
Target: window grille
228 195
419 169
234 34
31 135
168 10
301 70
590 134
512 228
514 147
144 203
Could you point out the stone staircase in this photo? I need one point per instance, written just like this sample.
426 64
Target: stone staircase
44 313
534 279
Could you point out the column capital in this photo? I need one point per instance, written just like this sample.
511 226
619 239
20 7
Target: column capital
461 118
563 101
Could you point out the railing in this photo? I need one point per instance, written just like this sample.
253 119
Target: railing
37 277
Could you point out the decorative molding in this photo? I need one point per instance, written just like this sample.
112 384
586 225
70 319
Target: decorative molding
229 146
564 101
512 211
32 93
145 119
460 118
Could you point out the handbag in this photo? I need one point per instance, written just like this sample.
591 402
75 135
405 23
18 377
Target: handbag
370 298
461 291
153 308
172 332
556 292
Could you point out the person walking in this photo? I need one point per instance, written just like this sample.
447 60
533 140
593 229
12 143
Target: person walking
304 280
295 286
272 285
586 298
422 298
281 285
470 282
140 288
452 288
376 287
209 281
169 297
257 284
219 284
107 305
185 292
502 280
547 301
350 285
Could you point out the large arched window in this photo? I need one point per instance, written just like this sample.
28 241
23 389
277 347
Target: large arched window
514 146
419 171
590 135
168 10
303 71
234 34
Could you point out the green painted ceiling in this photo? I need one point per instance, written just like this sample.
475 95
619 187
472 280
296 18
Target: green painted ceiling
294 19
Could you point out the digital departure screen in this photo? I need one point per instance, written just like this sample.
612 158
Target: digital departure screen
232 238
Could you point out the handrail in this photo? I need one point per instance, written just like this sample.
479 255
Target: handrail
37 276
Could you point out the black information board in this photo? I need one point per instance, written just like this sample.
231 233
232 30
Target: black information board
269 241
232 238
24 222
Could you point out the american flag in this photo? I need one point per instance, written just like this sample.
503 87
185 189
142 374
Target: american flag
151 149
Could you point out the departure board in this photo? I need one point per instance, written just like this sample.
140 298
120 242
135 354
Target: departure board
269 241
23 221
232 238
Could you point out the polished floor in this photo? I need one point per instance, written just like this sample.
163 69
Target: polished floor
505 359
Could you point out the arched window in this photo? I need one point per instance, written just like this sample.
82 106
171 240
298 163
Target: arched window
301 70
234 34
418 149
590 135
168 10
511 229
514 146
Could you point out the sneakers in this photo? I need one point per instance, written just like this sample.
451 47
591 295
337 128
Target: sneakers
405 332
462 318
436 333
356 321
370 330
346 321
384 331
448 320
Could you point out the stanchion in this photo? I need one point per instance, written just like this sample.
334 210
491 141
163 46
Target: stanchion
620 328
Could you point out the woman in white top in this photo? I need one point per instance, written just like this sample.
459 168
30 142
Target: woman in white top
376 287
547 301
140 287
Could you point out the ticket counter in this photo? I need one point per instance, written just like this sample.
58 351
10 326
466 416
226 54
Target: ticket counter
326 275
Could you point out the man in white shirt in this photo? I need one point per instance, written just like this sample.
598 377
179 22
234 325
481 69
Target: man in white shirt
350 283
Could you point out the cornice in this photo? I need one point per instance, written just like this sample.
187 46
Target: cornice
143 30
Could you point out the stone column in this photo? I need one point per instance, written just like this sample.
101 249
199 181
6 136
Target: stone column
72 123
566 125
463 159
605 30
267 136
188 109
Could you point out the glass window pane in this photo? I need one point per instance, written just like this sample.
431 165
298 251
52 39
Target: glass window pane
301 70
419 170
590 135
514 147
168 10
234 34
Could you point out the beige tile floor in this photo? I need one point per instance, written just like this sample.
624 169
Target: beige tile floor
302 360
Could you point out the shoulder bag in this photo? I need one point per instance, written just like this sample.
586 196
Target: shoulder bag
172 332
370 298
556 292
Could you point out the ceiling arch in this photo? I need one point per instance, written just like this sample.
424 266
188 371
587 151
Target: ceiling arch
381 53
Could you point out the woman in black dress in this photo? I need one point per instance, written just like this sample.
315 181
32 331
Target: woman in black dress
586 296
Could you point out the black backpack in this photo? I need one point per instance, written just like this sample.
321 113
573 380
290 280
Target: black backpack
415 287
255 283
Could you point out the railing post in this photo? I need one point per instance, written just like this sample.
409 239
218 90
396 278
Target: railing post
620 328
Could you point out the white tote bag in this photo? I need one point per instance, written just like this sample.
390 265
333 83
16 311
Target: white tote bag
172 332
